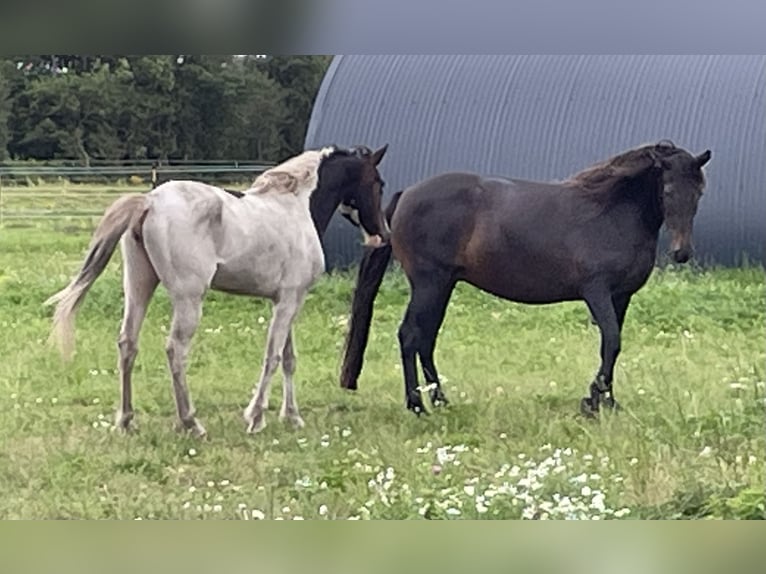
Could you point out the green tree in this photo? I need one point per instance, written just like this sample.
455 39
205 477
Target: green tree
204 97
157 106
153 107
44 119
5 109
299 77
259 114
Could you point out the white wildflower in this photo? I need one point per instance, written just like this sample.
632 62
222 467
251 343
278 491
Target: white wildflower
598 502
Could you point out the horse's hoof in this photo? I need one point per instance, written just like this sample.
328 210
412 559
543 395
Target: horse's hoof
439 400
193 427
611 404
124 422
256 425
256 421
587 410
418 409
294 419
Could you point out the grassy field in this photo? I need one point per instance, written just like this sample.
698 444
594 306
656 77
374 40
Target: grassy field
689 443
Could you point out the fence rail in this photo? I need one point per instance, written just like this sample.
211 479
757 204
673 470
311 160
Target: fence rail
23 188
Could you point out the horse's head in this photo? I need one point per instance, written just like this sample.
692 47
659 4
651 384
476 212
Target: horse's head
361 201
683 184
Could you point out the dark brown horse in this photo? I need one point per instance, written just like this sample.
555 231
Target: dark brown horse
592 237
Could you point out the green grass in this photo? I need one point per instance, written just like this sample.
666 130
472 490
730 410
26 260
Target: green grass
689 443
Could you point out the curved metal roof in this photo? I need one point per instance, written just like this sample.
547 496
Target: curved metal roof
545 117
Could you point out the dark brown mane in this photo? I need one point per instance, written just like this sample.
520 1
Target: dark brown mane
603 175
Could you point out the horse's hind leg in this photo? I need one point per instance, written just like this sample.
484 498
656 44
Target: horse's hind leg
289 410
187 312
139 282
430 323
430 292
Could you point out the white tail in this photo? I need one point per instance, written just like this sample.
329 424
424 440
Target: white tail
123 213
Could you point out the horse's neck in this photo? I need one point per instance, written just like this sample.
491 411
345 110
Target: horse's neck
645 197
322 205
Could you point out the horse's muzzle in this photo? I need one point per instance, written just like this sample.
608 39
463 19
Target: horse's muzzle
682 255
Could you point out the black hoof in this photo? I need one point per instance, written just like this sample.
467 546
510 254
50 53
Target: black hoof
587 409
611 404
438 399
418 408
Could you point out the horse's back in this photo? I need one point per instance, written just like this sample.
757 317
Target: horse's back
200 233
507 236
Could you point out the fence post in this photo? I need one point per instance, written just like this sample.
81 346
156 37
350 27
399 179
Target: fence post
1 201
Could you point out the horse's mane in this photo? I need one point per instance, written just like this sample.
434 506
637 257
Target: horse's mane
603 175
298 174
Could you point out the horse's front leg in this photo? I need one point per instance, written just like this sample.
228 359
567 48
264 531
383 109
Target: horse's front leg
279 331
609 313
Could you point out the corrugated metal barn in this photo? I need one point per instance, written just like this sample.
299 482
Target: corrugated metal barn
546 117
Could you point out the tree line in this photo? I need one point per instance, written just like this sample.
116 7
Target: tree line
163 107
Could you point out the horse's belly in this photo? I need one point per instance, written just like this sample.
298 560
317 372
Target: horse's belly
527 281
245 280
527 292
267 273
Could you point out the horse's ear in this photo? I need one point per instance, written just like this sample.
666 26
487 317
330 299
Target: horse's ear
704 157
656 161
378 155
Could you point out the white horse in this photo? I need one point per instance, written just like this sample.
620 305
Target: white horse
191 237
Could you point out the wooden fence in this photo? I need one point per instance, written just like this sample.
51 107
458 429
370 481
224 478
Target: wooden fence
57 191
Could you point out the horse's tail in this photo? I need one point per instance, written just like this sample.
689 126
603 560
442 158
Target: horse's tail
127 211
371 270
